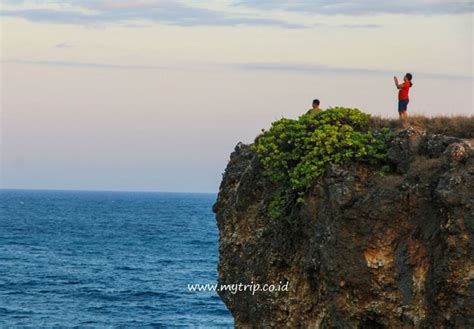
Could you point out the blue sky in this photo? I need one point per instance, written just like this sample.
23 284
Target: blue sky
154 94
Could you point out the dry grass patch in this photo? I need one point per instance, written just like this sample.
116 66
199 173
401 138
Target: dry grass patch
456 125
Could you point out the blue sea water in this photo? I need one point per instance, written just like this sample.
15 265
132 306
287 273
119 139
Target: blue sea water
108 259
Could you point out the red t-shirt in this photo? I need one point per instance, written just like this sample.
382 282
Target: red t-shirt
403 92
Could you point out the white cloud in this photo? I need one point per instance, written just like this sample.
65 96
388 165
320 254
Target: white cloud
367 7
226 13
171 12
63 45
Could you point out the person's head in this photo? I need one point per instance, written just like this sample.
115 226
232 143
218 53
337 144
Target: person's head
408 78
316 103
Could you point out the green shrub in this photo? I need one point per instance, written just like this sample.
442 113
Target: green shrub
277 204
295 152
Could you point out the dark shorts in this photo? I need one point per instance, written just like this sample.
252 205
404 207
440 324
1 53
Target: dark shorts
402 105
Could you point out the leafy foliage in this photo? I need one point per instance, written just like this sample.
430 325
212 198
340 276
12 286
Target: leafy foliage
295 152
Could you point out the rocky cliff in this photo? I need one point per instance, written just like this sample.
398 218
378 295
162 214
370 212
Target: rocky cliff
364 249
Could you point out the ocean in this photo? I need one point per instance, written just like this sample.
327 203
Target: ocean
108 259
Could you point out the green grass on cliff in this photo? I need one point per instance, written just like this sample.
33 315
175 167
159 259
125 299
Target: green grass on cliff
295 152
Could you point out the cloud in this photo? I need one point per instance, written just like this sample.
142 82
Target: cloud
49 15
367 7
88 65
170 12
361 26
256 66
229 13
300 67
63 45
318 68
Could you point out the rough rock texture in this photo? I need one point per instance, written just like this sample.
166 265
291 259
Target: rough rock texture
364 251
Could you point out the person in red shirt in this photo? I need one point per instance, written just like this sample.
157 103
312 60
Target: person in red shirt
403 98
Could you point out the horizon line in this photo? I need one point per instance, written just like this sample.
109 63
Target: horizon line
99 190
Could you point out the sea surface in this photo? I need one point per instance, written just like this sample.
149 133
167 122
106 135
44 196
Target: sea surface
108 259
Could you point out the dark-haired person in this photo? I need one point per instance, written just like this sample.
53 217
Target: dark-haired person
315 108
403 97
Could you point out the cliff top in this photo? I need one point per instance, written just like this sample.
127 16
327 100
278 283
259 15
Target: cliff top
293 153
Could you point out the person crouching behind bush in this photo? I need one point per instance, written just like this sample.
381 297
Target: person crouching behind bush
315 108
403 98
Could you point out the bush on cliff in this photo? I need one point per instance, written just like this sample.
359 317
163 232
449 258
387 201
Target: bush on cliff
295 152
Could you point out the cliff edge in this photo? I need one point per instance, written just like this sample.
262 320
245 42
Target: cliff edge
362 248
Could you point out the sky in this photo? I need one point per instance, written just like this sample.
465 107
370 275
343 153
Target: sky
153 95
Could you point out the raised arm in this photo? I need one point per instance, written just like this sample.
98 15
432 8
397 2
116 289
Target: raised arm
398 85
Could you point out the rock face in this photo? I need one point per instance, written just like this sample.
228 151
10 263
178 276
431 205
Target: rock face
365 250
